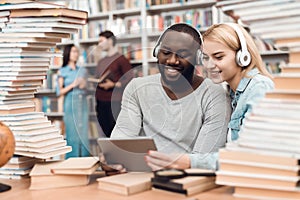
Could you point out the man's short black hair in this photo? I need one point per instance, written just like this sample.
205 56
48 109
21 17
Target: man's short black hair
108 34
186 28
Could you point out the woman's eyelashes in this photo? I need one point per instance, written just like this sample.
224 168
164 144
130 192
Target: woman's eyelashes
219 57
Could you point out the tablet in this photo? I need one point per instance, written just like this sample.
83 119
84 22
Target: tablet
129 152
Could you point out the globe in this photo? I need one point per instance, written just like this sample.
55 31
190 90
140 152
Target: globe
7 144
7 148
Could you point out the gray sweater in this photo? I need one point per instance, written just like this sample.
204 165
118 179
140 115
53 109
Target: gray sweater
195 124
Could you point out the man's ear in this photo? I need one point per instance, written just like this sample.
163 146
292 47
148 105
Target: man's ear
110 41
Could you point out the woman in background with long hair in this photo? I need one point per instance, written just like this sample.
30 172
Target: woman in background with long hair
71 85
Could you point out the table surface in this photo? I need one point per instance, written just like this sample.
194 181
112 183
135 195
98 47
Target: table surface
91 192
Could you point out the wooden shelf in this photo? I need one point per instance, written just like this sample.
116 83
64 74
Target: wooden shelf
98 16
115 13
89 41
64 43
275 56
126 12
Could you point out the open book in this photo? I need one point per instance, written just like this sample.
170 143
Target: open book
101 79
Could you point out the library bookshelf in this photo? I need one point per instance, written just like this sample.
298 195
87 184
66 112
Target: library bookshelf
137 25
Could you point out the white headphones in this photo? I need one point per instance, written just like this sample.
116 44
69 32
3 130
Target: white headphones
199 51
243 57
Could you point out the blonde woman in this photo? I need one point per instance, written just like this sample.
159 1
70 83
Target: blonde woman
230 55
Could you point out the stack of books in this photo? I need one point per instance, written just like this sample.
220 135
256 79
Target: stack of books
17 167
57 174
264 163
194 181
29 30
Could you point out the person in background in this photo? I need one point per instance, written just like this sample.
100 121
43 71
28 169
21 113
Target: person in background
230 55
186 115
114 70
71 85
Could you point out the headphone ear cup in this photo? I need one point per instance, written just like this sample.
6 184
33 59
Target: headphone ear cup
243 58
199 57
237 58
156 50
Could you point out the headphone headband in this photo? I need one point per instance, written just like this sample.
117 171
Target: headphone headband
243 57
240 35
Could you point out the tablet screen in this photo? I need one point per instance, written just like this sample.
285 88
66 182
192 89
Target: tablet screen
128 152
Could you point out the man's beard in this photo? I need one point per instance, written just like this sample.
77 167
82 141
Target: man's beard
182 82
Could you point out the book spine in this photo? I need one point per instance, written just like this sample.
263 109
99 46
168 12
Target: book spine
163 187
168 184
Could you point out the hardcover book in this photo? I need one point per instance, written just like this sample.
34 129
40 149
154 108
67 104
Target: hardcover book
258 180
240 154
42 178
47 154
49 12
188 191
258 168
34 34
47 19
77 165
126 184
260 193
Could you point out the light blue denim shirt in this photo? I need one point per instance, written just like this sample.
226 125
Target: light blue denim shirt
70 75
251 89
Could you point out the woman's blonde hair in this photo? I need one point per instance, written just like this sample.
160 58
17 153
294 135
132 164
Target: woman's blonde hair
227 36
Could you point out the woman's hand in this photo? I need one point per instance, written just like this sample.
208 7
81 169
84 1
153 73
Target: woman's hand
157 160
75 83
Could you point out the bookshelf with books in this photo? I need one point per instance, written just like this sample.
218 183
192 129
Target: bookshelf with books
137 25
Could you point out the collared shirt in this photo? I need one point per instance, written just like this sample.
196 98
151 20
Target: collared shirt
251 89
